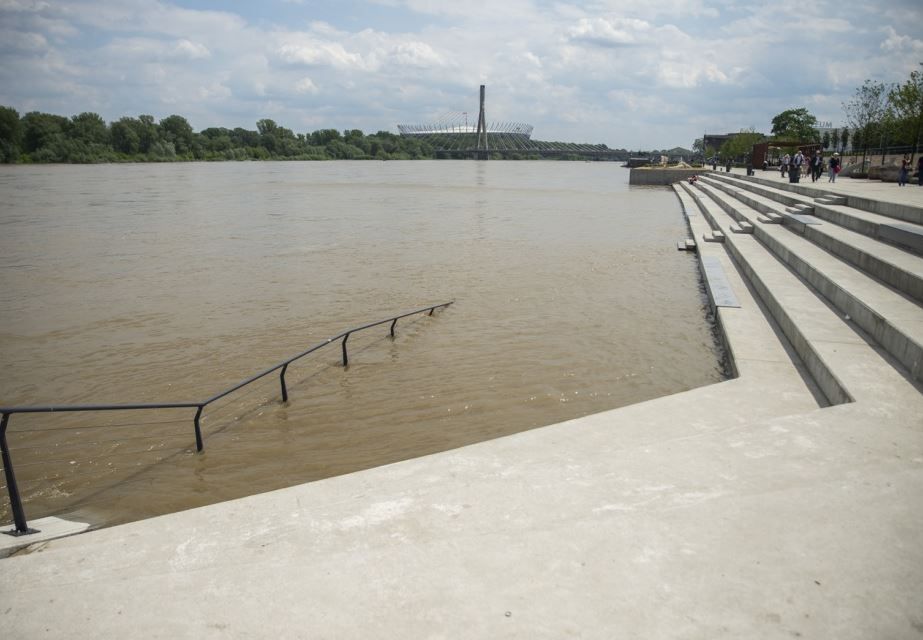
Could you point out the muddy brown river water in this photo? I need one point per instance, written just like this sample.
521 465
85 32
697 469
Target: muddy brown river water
157 283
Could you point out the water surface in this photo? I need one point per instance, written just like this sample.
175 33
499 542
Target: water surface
157 283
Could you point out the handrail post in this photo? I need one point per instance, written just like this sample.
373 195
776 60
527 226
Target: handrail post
392 327
282 382
19 516
431 309
345 357
199 445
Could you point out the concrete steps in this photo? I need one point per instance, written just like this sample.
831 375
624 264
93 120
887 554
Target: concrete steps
749 335
896 211
898 268
834 208
893 322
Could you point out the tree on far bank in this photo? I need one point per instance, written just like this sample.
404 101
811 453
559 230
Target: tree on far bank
125 136
176 129
796 125
89 128
42 130
10 134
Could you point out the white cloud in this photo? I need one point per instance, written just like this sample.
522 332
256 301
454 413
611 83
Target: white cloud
22 42
614 32
416 54
575 70
191 50
306 85
896 43
323 54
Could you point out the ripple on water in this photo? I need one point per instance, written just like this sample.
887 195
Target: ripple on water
168 283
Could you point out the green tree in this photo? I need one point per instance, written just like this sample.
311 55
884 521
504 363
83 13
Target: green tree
124 135
148 133
858 139
844 138
698 145
864 112
177 130
244 138
796 125
10 134
905 108
42 130
89 128
740 146
321 137
825 140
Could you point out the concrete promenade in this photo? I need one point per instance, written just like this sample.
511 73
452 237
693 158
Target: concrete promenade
911 194
786 502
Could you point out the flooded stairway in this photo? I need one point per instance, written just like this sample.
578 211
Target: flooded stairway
843 283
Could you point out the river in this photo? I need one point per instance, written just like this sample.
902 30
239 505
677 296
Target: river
150 283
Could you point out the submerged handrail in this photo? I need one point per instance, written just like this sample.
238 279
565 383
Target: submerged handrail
19 516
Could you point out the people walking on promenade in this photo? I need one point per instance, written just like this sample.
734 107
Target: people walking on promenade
834 167
783 165
794 171
817 166
920 170
905 169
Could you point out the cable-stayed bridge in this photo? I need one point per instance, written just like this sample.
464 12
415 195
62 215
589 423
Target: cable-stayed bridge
453 136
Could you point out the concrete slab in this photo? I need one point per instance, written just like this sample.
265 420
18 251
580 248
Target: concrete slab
724 529
719 289
805 219
49 528
904 234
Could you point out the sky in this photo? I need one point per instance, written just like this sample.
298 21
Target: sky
637 74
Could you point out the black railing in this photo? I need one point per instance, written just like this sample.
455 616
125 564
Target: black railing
19 516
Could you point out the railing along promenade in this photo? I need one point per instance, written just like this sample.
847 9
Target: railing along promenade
19 516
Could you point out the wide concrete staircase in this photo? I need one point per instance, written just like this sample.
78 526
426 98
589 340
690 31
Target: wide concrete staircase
841 277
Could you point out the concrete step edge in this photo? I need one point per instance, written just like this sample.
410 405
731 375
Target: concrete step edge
896 341
894 211
823 375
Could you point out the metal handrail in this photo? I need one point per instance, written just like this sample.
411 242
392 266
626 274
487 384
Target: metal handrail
19 517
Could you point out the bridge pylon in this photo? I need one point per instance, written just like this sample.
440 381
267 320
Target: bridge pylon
483 152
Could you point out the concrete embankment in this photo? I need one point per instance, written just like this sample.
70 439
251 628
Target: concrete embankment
661 176
782 503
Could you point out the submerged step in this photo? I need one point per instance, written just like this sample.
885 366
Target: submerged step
686 245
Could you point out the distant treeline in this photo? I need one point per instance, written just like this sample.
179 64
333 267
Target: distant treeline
87 138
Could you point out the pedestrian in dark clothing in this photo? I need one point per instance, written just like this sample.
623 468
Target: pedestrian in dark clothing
794 171
817 166
834 167
920 170
905 169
